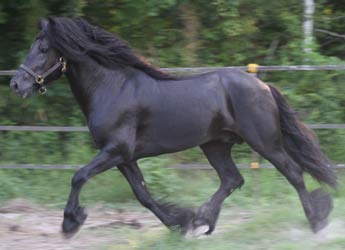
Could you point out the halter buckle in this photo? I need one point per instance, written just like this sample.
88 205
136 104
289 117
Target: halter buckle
42 90
64 65
39 79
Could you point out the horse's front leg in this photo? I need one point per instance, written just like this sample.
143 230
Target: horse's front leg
170 215
74 215
218 154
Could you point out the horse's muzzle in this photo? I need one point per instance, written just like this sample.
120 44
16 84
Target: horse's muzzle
24 93
14 85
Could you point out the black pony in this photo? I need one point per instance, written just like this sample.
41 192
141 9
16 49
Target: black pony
133 110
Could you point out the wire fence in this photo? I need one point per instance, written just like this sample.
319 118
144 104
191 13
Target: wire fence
194 166
252 68
85 129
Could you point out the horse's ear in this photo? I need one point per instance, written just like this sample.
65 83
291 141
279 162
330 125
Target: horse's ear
44 24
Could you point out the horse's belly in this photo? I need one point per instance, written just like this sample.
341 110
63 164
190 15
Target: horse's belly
172 137
177 139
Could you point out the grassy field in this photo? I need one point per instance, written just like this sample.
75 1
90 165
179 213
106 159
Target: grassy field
276 227
265 214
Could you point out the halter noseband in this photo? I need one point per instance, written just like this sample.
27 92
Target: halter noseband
40 78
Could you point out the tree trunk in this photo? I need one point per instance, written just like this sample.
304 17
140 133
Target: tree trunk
309 8
192 25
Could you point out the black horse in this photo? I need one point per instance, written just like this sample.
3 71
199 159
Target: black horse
134 110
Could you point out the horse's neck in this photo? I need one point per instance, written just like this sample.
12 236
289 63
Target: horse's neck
88 78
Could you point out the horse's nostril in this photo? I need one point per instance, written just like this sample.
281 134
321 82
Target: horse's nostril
14 85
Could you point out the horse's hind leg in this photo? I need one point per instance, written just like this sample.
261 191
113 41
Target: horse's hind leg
266 140
317 204
218 154
172 216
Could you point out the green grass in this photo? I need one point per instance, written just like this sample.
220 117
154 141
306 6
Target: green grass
275 227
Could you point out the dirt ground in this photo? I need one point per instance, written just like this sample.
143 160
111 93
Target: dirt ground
25 226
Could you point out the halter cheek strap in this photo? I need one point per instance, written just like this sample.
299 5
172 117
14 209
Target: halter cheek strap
40 78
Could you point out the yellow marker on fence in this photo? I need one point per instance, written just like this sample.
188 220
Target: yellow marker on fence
254 165
252 68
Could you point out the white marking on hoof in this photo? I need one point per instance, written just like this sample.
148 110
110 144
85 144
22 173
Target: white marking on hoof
197 232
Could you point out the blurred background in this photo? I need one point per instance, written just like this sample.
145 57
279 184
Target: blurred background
266 213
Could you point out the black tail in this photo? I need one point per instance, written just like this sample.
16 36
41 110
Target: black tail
301 144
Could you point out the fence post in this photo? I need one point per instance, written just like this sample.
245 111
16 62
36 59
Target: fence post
252 69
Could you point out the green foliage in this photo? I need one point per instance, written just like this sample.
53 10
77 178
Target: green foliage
162 182
330 19
53 186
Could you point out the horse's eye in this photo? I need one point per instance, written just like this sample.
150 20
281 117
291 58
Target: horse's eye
43 49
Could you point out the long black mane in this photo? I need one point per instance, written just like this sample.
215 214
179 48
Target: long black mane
77 39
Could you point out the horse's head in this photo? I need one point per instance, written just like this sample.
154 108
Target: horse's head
42 65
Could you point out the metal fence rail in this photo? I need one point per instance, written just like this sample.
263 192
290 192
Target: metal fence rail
258 68
174 166
45 128
7 72
85 129
246 68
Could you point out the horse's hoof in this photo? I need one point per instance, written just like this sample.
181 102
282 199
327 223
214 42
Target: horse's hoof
319 225
197 232
72 222
69 235
70 229
200 226
322 205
